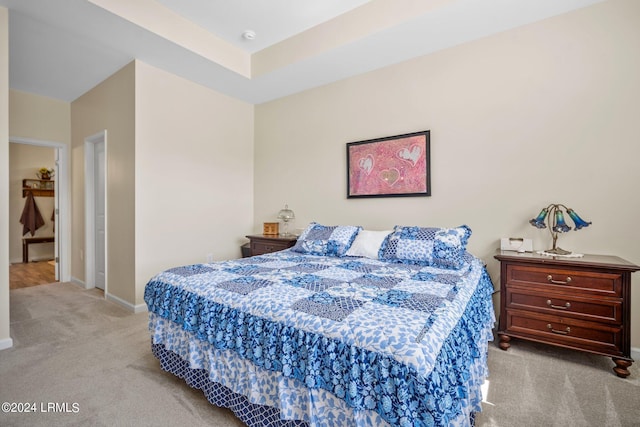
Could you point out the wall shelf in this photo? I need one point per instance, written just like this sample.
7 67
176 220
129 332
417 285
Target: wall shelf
38 187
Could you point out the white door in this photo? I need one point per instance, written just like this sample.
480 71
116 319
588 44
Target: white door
99 180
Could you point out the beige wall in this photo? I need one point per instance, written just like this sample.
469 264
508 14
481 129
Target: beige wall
110 106
194 173
24 161
540 114
5 338
179 175
40 118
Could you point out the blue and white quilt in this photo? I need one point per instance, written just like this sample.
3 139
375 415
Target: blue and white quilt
333 340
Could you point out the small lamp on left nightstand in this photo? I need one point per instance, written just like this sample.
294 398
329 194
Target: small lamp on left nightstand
286 215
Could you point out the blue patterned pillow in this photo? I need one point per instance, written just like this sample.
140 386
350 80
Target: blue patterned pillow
319 239
438 247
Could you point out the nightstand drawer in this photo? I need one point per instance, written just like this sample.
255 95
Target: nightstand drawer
260 248
585 308
266 244
587 282
575 333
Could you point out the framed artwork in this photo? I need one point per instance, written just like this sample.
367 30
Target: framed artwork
394 166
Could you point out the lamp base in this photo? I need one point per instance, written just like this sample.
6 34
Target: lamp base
557 251
285 232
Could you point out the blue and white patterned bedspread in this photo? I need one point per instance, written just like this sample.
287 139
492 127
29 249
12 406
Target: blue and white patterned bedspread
405 342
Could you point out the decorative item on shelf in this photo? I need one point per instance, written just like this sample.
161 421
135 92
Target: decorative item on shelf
38 187
556 224
286 215
45 174
270 228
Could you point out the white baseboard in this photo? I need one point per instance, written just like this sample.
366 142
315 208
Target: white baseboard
78 282
635 354
6 343
140 308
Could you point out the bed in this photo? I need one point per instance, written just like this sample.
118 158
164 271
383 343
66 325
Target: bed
348 327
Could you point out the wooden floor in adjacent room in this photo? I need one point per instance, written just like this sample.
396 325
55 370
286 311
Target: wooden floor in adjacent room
28 274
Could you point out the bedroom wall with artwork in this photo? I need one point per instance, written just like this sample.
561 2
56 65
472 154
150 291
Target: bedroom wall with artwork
545 113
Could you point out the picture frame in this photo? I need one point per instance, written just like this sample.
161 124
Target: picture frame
393 166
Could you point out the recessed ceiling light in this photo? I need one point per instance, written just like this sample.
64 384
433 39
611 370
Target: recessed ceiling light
249 35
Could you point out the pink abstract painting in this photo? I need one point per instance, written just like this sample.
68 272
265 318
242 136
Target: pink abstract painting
389 166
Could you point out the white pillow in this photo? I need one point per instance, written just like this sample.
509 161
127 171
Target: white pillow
367 243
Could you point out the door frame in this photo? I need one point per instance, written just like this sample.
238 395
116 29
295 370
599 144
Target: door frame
90 212
63 218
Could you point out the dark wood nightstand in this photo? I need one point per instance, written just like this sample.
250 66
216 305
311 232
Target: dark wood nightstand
262 244
578 303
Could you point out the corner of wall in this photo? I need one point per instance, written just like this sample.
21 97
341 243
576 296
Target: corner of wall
6 343
5 339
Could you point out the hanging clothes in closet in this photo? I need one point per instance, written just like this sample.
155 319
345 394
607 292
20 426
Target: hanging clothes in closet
31 218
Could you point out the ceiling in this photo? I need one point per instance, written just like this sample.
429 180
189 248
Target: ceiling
61 49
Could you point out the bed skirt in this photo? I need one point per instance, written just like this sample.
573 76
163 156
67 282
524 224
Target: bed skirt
249 413
252 414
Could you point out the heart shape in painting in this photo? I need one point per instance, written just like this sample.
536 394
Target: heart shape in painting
410 155
390 176
366 164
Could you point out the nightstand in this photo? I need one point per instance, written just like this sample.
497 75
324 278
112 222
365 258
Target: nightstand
578 303
263 244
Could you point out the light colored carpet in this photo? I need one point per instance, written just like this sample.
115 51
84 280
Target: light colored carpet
71 346
535 384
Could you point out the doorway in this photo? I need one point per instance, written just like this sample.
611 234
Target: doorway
95 149
60 210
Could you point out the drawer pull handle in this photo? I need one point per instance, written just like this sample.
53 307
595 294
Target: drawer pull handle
558 282
559 307
555 331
